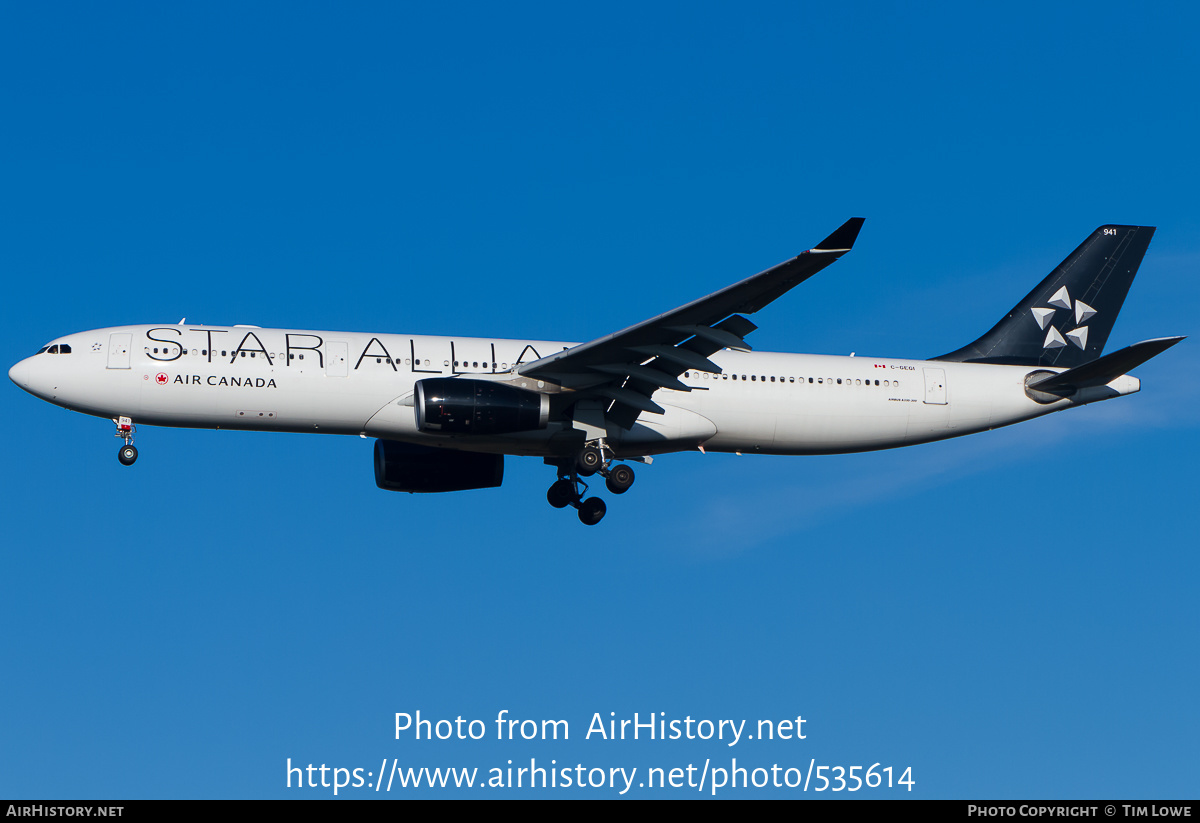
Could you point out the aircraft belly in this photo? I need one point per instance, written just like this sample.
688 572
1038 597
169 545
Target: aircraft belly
677 429
818 420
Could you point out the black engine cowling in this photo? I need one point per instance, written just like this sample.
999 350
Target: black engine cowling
404 467
451 405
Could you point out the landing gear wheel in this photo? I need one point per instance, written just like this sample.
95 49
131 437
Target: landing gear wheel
588 461
127 455
619 479
561 494
591 511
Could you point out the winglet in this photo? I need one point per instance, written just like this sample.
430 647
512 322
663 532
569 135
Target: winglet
842 240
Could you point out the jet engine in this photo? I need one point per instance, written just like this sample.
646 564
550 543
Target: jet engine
450 405
404 467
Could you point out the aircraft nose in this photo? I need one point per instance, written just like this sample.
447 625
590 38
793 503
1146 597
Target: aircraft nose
20 373
31 376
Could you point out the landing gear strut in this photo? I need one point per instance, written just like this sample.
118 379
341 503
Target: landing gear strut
569 489
125 429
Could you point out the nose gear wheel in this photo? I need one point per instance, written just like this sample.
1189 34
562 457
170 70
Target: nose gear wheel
128 453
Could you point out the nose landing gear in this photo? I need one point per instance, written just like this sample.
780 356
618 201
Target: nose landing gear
128 453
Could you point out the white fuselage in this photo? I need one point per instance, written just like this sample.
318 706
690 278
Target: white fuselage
355 383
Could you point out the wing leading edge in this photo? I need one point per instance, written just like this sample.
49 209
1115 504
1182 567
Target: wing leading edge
629 366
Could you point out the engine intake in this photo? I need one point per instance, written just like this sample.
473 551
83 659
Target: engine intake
404 467
451 405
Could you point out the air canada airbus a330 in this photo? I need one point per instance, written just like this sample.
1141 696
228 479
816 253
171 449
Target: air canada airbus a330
445 410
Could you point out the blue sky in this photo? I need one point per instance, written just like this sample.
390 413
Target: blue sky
1010 614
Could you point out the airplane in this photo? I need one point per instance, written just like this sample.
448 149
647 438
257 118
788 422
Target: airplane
444 411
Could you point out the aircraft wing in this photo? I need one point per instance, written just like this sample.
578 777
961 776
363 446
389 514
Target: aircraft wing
629 366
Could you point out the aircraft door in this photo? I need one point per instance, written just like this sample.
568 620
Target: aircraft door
935 387
119 344
337 358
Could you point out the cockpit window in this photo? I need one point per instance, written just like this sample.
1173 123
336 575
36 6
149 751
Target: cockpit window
64 349
53 350
41 350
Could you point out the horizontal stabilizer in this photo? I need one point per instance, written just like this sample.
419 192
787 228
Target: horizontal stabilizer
1103 371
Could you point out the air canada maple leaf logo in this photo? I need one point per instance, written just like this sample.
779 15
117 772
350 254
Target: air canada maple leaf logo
1045 320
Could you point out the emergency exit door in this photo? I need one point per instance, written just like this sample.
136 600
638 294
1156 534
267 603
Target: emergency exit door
119 344
935 386
337 358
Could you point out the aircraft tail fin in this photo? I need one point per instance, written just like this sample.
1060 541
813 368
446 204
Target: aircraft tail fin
1065 321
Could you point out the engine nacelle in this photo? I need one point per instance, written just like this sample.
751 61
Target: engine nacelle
404 467
452 405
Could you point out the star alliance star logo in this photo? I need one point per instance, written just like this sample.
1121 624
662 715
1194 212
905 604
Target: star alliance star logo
1054 338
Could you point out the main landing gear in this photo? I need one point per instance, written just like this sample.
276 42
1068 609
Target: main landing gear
569 489
125 429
